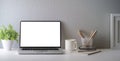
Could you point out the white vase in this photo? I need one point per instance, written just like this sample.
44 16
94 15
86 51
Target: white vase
7 44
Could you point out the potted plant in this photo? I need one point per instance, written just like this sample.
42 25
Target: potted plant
7 36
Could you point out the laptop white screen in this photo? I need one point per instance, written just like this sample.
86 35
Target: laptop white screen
40 34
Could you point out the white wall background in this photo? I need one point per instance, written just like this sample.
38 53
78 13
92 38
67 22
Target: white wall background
75 14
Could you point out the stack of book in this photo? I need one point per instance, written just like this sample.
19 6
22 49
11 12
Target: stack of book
88 51
87 48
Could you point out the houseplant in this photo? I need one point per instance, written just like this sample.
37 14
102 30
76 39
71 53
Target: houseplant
7 36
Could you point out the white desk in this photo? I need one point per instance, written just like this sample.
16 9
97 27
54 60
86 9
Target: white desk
106 55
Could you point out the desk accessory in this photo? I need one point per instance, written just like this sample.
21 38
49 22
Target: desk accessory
87 48
70 45
87 42
85 52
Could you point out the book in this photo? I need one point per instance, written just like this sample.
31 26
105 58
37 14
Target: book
88 52
87 48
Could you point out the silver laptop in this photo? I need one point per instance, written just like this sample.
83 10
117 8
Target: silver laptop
40 37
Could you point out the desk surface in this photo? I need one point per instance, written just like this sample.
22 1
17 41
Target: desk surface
105 55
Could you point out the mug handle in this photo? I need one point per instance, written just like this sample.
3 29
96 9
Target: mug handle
75 45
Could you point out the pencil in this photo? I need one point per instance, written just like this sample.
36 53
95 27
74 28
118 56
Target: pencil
92 35
81 34
94 52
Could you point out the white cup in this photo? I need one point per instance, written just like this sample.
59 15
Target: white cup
70 44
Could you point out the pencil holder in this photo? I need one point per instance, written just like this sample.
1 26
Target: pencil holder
86 42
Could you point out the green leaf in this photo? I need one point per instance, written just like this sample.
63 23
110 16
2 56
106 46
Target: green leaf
8 33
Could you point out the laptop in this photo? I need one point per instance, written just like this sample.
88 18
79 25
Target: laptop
40 37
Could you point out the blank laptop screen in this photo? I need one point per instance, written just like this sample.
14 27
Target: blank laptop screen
40 34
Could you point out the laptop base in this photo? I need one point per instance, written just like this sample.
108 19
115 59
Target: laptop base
37 52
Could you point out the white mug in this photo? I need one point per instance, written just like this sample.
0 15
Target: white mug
70 44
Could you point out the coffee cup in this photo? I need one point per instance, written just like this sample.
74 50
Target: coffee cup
70 44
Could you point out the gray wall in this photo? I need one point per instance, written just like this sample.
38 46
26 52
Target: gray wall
75 14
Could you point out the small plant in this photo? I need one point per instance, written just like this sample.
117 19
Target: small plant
8 33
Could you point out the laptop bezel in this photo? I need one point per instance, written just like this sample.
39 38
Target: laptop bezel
38 46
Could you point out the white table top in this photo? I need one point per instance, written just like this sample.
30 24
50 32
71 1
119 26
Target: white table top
105 55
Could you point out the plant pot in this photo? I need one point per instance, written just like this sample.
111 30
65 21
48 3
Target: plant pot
7 44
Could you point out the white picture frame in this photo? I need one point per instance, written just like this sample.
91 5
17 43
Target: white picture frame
114 30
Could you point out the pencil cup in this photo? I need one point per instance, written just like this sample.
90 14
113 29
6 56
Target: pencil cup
86 42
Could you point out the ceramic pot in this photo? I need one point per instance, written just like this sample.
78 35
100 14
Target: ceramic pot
7 44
